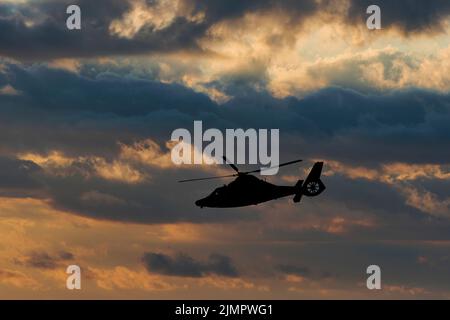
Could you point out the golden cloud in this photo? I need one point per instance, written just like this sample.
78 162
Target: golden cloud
158 15
18 279
123 278
427 202
390 172
9 90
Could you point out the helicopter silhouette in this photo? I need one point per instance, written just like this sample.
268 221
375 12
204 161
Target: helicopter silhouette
248 190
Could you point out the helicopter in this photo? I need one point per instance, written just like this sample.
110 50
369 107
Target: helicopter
248 190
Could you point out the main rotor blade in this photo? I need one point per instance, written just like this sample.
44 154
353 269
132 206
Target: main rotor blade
230 164
238 173
210 178
280 165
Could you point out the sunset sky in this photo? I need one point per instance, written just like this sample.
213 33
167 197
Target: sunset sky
86 176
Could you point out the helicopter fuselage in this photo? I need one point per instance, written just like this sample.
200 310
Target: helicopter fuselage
244 191
247 190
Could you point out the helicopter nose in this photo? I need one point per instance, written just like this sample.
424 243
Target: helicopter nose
199 203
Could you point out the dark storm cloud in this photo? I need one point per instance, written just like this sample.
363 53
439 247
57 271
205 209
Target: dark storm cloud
92 114
345 262
360 194
408 15
44 260
218 10
101 111
48 37
17 173
297 270
101 95
19 178
88 116
383 207
159 200
183 265
162 200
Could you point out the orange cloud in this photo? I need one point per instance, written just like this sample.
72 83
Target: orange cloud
225 283
294 278
55 162
427 202
389 173
117 170
353 172
9 90
405 290
18 279
124 278
147 152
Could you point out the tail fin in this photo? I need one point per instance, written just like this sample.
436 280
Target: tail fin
312 186
315 172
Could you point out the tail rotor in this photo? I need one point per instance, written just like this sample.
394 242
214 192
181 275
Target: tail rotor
312 186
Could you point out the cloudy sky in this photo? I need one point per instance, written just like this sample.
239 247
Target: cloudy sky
85 170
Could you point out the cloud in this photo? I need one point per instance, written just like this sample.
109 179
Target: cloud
112 109
427 202
182 265
157 15
408 16
86 116
135 27
363 70
406 290
410 180
8 90
18 279
100 149
226 283
256 254
296 270
44 260
18 178
123 278
42 26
